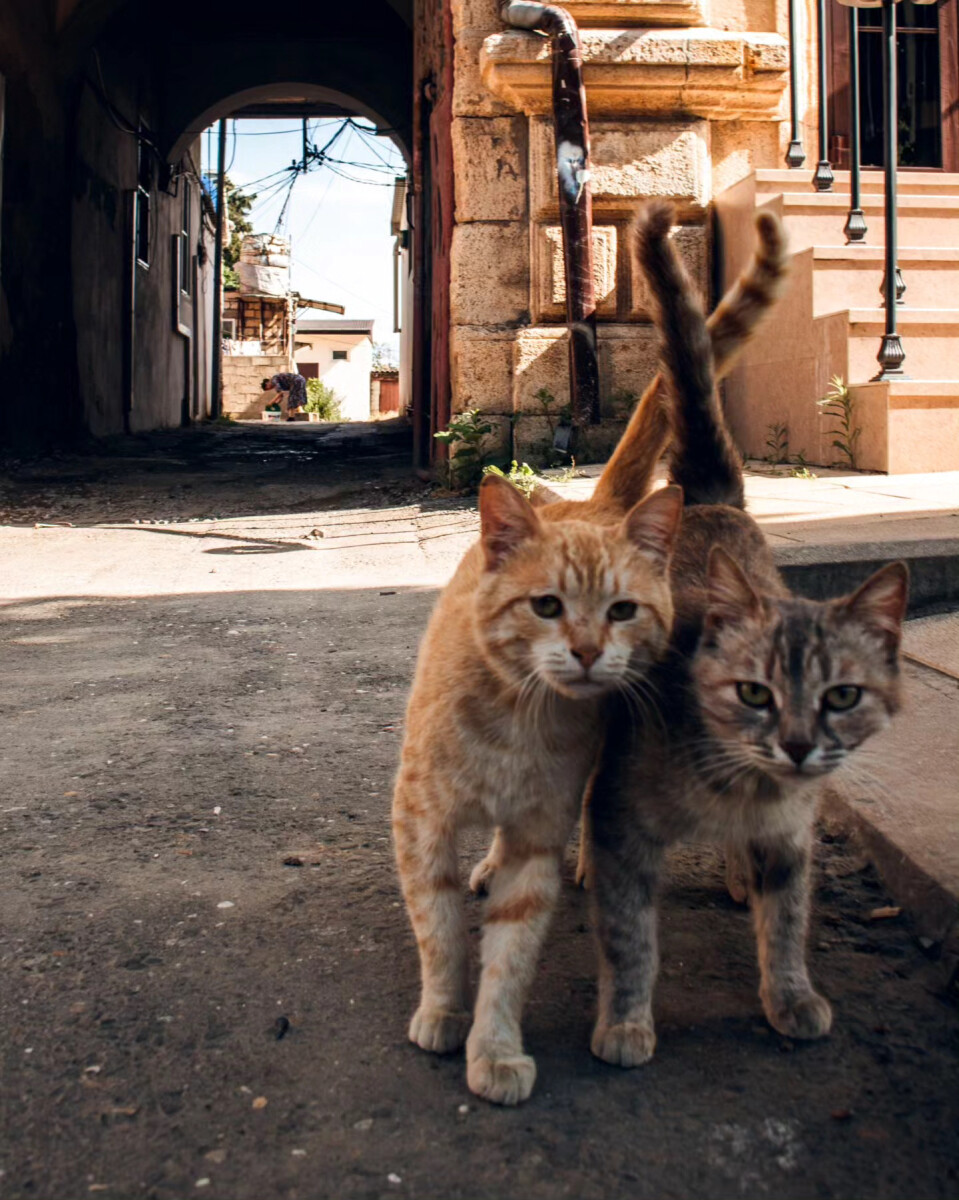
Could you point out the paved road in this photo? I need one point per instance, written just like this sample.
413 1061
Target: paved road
207 972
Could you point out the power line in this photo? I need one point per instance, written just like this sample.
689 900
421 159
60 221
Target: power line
335 283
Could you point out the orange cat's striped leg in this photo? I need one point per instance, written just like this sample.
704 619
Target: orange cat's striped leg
426 858
523 893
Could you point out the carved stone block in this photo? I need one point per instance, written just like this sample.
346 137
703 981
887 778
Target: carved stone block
549 275
627 164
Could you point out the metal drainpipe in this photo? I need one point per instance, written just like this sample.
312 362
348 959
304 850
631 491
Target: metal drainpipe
571 128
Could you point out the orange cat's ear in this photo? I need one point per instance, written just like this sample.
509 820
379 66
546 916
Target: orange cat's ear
730 594
506 519
880 603
652 524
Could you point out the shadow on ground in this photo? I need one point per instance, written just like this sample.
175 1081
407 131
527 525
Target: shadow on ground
208 973
214 470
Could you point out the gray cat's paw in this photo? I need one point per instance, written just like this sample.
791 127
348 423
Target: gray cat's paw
502 1080
808 1016
438 1031
482 876
628 1044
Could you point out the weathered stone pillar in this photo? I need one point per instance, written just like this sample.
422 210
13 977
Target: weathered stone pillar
674 105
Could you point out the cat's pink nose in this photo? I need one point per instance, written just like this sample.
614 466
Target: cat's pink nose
586 655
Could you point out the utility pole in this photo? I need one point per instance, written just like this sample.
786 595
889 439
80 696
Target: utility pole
216 375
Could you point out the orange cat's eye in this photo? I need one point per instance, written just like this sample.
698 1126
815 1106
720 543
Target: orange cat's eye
755 695
549 607
842 698
622 610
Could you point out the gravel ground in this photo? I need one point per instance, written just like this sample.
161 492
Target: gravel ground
207 971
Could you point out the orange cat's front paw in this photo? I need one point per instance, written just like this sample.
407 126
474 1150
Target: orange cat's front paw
438 1031
628 1044
807 1017
502 1080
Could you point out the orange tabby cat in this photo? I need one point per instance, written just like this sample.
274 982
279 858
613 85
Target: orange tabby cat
554 607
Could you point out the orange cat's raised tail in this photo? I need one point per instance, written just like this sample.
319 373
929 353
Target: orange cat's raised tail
629 472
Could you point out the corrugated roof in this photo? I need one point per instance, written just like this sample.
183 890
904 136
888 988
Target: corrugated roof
335 327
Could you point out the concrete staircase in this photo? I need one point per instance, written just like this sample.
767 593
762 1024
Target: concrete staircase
831 320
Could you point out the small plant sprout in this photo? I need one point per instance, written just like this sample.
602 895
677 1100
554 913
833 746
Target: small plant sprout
520 475
777 441
801 469
837 404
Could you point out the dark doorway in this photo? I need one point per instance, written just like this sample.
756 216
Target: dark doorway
927 79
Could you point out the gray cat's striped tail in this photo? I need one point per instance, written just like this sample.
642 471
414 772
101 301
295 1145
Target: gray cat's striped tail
705 462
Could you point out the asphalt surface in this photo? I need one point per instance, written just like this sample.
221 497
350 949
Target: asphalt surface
206 968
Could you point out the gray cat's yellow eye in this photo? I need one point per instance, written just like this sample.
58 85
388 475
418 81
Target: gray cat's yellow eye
842 698
547 606
756 695
622 610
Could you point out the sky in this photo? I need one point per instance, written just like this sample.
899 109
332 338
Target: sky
342 248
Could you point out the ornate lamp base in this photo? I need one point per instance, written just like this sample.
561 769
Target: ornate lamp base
823 179
891 356
855 227
795 157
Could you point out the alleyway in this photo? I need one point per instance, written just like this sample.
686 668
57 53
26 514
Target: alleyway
207 969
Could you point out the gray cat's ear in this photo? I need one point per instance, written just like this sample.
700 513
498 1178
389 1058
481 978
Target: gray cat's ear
653 523
880 603
730 595
507 519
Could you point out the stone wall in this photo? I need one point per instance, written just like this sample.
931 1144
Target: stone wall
243 375
675 107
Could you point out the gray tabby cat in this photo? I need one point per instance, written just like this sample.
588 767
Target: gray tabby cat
762 693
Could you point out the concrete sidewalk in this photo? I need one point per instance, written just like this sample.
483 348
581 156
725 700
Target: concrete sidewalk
831 531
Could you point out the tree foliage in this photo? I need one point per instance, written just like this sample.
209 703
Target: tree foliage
238 205
384 357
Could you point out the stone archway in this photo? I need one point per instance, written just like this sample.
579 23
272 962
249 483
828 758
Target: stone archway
83 76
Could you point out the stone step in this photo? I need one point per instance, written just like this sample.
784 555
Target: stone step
909 425
817 219
852 275
918 183
930 338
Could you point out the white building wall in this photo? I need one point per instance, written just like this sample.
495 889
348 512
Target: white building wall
349 377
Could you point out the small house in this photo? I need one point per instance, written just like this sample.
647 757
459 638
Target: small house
340 352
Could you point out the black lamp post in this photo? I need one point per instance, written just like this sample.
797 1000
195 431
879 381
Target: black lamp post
823 177
891 355
855 227
795 155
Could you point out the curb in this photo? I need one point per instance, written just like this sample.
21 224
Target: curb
934 909
822 572
933 570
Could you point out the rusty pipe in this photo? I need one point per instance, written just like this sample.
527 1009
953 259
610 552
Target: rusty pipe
571 130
